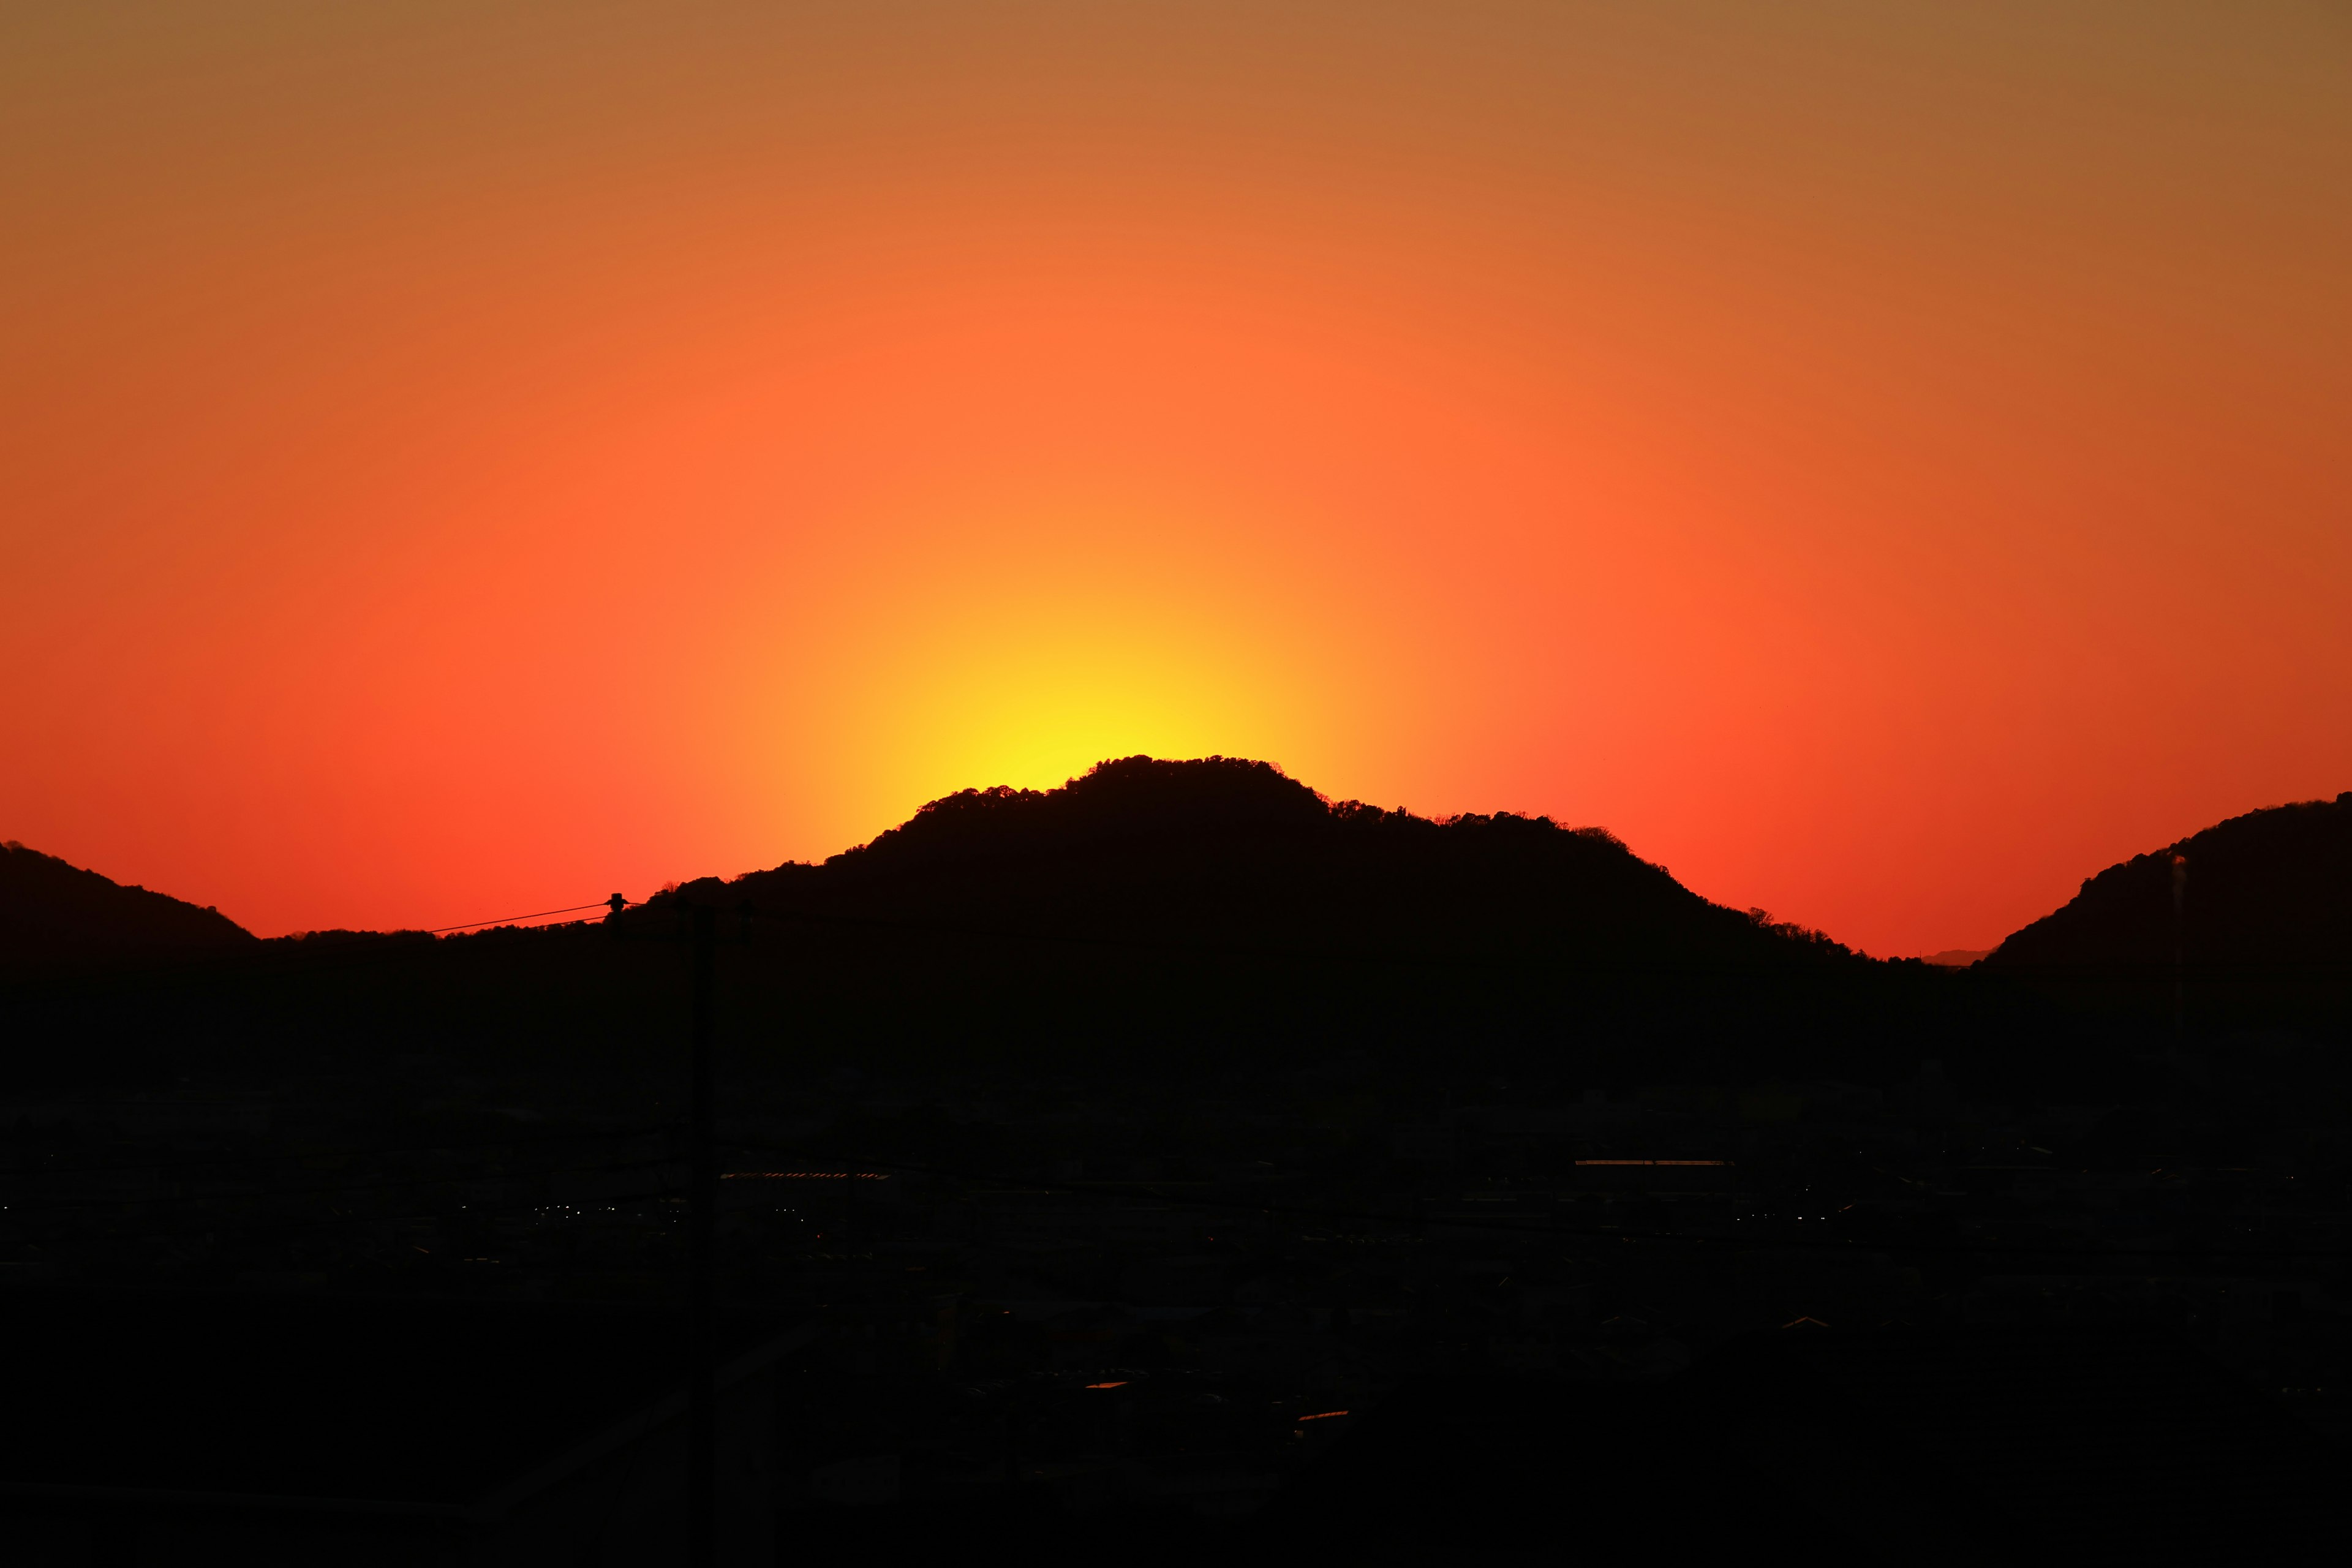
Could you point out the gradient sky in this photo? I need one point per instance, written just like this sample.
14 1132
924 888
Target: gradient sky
1887 461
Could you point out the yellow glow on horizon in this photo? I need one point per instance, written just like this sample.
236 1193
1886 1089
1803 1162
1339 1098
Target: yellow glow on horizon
1882 461
1056 637
1045 711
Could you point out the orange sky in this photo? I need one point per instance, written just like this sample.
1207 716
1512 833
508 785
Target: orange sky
1886 462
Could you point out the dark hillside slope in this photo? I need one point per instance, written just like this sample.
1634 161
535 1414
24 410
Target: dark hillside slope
2272 887
1154 916
1230 855
50 911
1217 907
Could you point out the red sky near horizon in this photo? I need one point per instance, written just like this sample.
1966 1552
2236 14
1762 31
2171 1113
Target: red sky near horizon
1886 462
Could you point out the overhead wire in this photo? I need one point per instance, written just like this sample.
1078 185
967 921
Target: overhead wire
269 957
509 920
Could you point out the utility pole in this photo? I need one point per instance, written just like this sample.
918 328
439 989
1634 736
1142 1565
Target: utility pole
2179 948
702 1290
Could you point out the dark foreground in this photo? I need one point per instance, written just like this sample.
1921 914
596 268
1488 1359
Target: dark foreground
1281 1314
1175 1166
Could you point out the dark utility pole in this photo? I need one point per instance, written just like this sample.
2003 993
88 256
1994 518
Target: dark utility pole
2179 947
702 1291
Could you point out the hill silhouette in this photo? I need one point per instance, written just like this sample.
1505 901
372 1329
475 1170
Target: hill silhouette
2273 888
1149 916
1230 854
50 911
1210 910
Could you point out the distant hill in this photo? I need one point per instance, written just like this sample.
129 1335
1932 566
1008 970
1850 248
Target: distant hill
1216 909
1955 957
2270 887
1231 854
50 911
1202 916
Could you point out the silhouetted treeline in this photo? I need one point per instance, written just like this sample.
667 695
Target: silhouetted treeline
1148 916
52 912
2246 926
2271 889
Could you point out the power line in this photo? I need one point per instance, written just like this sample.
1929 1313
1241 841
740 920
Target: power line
306 950
509 920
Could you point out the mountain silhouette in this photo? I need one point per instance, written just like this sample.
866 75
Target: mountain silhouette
1216 909
51 911
1185 916
1234 855
2271 888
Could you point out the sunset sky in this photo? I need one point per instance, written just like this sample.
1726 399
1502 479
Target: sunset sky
1887 461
